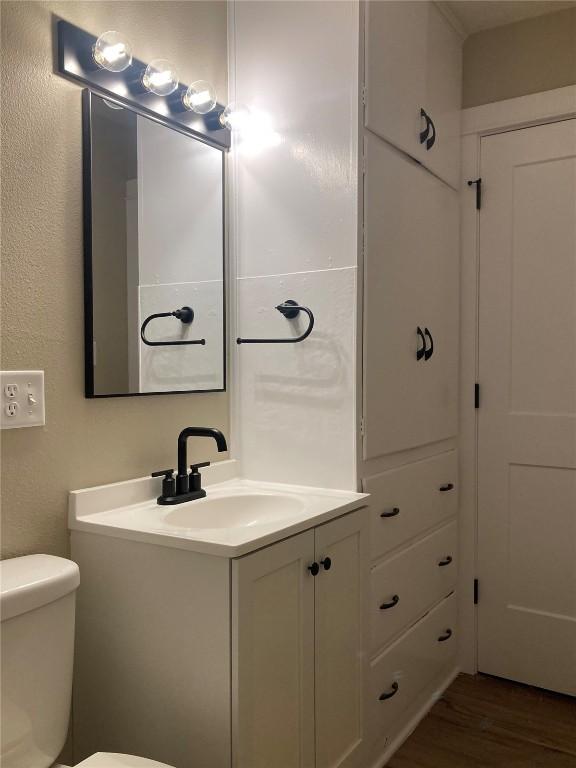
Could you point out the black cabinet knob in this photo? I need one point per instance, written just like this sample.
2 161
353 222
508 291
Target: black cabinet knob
327 563
446 487
445 561
314 569
394 601
388 694
446 636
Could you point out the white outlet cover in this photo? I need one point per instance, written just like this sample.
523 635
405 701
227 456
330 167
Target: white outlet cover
22 399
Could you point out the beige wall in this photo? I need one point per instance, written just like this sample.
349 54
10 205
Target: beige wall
518 59
84 442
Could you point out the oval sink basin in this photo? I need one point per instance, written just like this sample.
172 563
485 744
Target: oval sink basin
238 511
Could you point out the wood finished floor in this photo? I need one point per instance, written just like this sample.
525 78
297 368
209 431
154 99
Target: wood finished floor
485 722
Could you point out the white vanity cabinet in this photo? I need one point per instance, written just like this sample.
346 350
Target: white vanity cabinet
410 303
413 70
203 660
297 649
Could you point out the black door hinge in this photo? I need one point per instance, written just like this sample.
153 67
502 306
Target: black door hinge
476 395
478 183
475 591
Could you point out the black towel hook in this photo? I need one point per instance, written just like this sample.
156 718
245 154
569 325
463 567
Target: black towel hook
185 315
290 309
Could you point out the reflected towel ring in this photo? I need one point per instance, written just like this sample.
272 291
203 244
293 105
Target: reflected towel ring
185 315
290 309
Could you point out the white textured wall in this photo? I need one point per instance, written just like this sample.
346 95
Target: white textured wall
295 236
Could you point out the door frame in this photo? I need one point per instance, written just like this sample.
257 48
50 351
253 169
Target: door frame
477 122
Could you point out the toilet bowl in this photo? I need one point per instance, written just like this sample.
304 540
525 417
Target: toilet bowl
37 607
115 760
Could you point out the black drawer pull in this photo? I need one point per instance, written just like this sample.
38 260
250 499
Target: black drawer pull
420 351
446 487
429 350
446 636
446 561
425 134
394 601
388 694
314 569
391 513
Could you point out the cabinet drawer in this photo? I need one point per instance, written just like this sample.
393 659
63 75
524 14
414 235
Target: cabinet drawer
404 587
410 665
408 500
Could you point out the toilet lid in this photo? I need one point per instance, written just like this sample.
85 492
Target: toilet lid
115 760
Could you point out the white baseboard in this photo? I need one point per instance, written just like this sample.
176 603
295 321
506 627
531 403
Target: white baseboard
414 721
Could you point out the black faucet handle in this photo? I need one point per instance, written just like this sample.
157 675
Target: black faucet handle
195 478
168 484
196 467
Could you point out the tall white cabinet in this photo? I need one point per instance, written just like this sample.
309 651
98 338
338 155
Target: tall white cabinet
408 458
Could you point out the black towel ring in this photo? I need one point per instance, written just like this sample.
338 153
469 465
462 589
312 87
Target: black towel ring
185 315
290 309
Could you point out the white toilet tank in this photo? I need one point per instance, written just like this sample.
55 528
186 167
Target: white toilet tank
37 595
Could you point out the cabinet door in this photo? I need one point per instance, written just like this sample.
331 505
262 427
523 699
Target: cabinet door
443 97
411 286
413 62
395 63
340 636
273 656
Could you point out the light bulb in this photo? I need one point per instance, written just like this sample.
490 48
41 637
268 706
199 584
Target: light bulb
160 77
236 116
112 51
200 97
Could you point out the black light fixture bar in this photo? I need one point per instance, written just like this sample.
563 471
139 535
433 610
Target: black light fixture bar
76 62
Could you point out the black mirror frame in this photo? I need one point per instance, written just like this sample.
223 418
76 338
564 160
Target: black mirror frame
87 238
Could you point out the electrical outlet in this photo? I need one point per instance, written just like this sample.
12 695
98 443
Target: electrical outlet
11 390
22 394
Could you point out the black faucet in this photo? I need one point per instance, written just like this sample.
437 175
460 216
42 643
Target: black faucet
187 487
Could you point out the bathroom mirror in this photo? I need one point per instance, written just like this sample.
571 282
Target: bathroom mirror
154 255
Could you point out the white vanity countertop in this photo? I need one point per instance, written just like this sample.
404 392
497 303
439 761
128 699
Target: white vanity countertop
247 514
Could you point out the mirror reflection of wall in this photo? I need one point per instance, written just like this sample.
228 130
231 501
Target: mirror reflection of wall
157 245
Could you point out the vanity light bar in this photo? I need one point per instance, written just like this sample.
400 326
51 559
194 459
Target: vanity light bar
105 64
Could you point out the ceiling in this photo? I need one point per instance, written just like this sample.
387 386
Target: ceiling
475 15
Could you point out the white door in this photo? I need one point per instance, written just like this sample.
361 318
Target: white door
527 417
341 589
273 656
410 304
